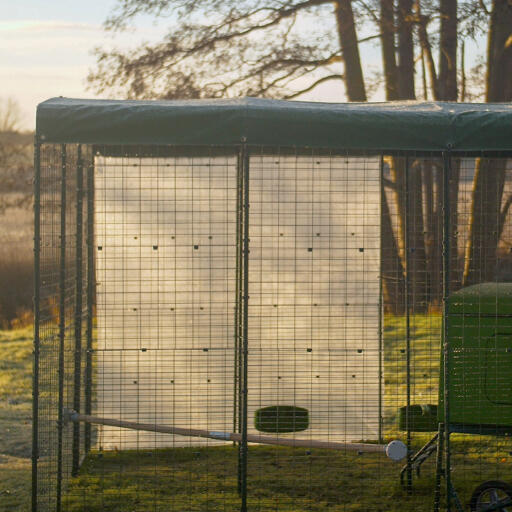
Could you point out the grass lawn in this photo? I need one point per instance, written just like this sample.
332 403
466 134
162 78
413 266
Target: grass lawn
288 480
15 419
201 479
284 479
293 480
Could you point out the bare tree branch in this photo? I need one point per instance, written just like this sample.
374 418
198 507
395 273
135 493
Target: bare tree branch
315 84
225 57
10 115
16 170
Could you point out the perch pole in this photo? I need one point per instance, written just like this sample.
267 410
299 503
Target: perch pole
395 450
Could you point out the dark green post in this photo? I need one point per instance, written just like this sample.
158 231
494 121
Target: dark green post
37 319
62 320
78 308
439 467
446 293
245 315
407 250
382 191
90 299
238 304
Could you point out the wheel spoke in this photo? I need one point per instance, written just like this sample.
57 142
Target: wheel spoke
494 495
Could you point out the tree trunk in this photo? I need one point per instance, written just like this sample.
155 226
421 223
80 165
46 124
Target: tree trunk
426 50
409 206
499 53
488 183
481 249
405 51
391 265
416 235
411 217
392 269
400 85
387 36
354 82
448 51
433 229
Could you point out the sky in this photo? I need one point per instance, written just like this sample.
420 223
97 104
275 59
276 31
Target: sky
46 50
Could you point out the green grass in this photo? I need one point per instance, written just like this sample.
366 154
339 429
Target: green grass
285 479
292 480
15 419
203 479
425 331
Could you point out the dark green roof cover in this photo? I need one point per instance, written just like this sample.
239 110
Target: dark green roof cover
421 126
482 299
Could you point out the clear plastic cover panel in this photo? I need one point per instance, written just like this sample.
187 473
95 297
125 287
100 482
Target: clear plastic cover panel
166 272
165 266
314 291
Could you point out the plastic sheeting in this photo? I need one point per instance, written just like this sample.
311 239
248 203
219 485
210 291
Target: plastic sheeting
166 274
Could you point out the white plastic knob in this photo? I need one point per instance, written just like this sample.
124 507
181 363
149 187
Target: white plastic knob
396 450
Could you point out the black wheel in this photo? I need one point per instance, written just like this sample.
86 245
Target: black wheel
492 492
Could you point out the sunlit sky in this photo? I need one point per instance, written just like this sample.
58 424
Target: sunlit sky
46 50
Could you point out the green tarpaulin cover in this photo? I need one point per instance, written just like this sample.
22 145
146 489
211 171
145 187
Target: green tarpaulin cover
483 299
421 126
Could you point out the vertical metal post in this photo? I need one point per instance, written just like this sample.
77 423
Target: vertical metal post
62 320
439 469
407 250
90 299
381 354
78 308
245 315
446 293
37 319
238 304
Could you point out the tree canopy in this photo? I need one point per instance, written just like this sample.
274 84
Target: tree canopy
284 48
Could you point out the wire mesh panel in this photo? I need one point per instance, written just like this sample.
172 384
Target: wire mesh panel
47 253
478 330
165 263
61 306
314 305
254 328
314 290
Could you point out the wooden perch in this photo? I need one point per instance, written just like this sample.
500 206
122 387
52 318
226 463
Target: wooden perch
395 450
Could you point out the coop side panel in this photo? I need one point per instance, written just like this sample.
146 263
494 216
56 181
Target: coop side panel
314 291
165 248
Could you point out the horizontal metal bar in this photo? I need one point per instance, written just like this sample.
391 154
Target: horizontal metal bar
395 450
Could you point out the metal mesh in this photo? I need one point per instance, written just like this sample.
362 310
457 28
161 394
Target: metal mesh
260 297
166 258
314 290
61 311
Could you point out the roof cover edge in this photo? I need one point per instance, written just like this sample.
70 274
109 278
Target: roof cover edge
406 125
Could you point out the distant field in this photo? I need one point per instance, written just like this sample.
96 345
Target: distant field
17 229
16 267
